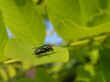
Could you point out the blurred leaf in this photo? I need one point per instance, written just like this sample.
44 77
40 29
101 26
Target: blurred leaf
79 53
3 37
77 11
105 63
18 50
94 55
23 20
82 75
90 69
42 76
11 71
25 80
3 75
73 17
99 19
70 31
35 1
98 77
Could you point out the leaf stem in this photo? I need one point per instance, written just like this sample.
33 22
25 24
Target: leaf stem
98 38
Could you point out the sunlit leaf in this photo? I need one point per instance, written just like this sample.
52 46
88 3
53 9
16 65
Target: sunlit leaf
3 75
72 19
11 71
18 50
82 75
77 10
23 20
3 36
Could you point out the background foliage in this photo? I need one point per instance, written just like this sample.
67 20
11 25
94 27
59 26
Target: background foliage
82 56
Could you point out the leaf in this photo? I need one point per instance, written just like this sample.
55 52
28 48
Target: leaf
78 53
82 75
18 50
42 76
105 63
70 31
11 71
3 37
23 20
72 19
25 80
3 75
77 10
98 77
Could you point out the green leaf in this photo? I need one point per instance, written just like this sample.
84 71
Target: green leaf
3 37
78 53
3 75
105 63
98 77
25 80
82 75
70 31
18 50
23 20
11 71
72 19
42 76
77 10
